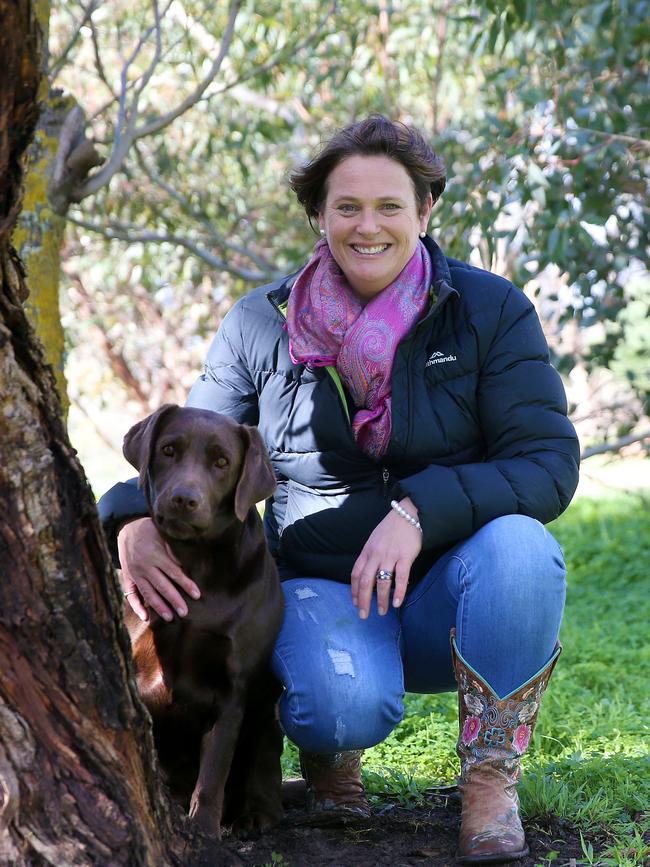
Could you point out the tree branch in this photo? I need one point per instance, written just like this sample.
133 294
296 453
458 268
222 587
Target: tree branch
132 84
628 139
53 70
200 217
289 51
127 131
133 234
99 66
242 94
125 128
599 411
615 446
164 120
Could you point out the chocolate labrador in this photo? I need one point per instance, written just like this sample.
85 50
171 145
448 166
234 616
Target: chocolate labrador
205 677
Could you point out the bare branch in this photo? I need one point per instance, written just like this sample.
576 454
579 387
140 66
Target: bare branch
243 94
126 118
122 112
628 139
134 83
165 119
146 78
53 71
615 446
133 234
190 211
131 85
577 160
288 51
126 131
599 411
99 66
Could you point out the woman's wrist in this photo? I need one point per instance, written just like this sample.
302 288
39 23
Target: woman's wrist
406 510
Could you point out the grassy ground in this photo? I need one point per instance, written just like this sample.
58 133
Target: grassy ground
589 761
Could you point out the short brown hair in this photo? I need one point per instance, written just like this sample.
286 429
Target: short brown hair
373 136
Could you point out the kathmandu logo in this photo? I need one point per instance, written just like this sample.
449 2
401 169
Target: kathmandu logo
439 358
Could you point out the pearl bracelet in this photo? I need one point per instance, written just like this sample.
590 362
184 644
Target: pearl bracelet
400 511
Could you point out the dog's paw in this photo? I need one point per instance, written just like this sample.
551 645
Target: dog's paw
256 820
205 820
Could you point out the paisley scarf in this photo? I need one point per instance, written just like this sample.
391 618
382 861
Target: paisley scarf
329 325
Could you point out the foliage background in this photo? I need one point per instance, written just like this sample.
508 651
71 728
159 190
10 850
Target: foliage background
539 109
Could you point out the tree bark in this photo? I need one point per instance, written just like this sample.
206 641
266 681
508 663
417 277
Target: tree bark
59 156
38 235
78 782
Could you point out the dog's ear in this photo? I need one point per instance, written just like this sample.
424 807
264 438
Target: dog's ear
256 479
139 441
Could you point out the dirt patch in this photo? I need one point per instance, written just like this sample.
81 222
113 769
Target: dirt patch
395 835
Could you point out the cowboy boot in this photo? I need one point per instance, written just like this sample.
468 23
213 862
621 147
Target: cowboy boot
335 792
494 734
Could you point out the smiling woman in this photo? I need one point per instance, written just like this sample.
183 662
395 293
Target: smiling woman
420 441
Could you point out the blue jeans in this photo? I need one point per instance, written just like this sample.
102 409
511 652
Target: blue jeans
345 678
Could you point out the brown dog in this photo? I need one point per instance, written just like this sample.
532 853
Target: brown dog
205 677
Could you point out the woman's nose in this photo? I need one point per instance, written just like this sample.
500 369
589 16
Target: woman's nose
368 222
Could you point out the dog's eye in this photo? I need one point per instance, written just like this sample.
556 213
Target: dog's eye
168 451
221 462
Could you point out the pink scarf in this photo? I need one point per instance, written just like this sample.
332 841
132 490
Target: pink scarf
328 325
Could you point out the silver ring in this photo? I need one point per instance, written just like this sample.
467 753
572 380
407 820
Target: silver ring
129 592
384 575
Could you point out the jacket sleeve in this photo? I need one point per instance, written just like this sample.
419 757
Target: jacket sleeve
531 449
225 386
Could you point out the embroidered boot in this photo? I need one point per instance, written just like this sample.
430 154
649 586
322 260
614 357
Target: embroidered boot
335 792
494 734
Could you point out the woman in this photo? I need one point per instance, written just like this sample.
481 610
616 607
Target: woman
420 442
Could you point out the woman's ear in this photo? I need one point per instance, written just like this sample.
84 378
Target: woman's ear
425 213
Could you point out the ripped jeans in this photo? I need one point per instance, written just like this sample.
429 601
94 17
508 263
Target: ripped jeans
344 678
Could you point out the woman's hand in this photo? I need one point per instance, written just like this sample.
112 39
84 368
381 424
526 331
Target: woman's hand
393 545
150 572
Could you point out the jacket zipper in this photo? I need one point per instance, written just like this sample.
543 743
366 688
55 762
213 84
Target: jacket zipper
385 476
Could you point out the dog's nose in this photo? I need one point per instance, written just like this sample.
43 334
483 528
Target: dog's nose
185 499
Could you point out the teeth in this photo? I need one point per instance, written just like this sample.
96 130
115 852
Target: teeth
370 250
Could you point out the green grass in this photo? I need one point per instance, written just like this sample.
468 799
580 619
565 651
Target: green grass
588 762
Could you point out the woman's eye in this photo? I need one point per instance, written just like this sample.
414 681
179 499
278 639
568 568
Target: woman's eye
221 462
391 206
168 451
347 209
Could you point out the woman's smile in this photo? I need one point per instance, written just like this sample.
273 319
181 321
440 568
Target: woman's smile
370 251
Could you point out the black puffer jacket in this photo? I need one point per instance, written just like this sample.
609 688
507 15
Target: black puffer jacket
479 425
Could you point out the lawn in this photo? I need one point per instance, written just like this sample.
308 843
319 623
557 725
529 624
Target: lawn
588 762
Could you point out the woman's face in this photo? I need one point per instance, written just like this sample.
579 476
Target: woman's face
372 221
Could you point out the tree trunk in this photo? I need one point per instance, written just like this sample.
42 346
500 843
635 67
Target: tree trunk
77 767
58 157
38 236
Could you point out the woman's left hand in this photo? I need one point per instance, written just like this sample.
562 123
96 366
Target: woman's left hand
393 546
